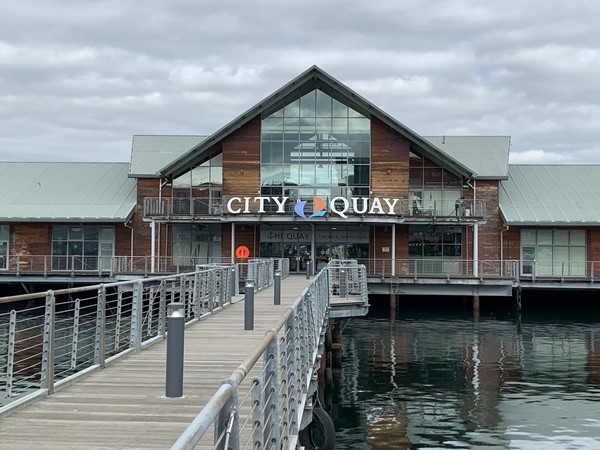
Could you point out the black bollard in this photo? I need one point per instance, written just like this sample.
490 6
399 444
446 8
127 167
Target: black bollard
277 288
249 305
175 340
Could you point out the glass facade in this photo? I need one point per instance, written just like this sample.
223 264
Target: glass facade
435 249
198 191
431 187
82 247
315 145
195 243
553 252
4 236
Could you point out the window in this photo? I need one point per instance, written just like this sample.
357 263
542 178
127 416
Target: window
553 253
82 247
195 243
4 236
318 143
431 187
434 249
198 192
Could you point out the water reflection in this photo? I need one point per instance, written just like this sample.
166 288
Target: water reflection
434 380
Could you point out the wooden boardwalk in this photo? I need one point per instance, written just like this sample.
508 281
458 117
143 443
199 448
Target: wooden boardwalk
123 406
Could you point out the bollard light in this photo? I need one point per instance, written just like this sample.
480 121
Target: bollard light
175 340
277 288
249 305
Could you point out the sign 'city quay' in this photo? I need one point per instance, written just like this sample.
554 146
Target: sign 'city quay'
340 206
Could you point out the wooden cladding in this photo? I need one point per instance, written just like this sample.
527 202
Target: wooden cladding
389 161
241 160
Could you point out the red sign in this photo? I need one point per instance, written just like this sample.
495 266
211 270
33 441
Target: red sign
242 252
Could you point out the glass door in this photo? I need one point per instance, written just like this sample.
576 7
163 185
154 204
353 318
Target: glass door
527 260
298 254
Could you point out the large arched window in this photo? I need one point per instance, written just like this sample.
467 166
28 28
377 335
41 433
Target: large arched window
315 145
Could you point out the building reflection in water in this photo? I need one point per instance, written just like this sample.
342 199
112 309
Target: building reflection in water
438 381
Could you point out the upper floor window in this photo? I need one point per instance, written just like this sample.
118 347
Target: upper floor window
432 187
315 145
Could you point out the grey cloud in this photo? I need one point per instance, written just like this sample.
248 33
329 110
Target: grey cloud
77 79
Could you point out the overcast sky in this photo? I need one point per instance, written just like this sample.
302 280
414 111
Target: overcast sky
79 78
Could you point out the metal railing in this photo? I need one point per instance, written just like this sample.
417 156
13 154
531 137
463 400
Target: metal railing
68 332
167 207
268 410
45 265
442 268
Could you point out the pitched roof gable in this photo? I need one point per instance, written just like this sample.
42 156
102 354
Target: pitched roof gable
313 78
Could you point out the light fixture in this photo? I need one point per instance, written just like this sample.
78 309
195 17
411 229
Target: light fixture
389 170
241 169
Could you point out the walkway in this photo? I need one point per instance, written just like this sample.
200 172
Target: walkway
123 406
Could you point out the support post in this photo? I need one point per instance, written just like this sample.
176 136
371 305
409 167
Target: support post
476 308
393 250
152 245
175 345
249 305
277 288
475 249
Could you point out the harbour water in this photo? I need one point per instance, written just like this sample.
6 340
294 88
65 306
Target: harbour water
436 378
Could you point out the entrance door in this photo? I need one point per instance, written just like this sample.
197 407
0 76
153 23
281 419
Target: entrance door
298 254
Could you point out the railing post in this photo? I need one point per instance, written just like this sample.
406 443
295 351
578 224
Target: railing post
47 377
228 422
162 327
272 387
136 316
45 265
249 305
100 347
277 288
562 274
18 265
258 413
592 274
382 269
118 317
75 337
10 356
415 270
175 347
343 283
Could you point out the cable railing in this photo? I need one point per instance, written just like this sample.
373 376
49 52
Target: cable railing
67 332
267 400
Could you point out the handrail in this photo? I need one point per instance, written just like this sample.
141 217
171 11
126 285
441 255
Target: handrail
289 352
120 317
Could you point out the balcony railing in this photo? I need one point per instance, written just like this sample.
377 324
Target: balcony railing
412 210
385 268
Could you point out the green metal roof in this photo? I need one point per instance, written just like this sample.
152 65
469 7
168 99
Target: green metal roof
486 156
551 195
149 154
66 191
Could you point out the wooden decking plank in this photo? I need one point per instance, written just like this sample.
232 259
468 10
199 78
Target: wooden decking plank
123 406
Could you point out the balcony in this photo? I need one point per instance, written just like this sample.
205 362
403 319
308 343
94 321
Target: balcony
377 209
